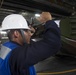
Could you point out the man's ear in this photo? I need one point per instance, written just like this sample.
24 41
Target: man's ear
16 33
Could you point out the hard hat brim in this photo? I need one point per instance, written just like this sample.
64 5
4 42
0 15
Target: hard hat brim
2 29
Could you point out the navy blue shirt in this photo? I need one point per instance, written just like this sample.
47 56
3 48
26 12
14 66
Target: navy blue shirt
28 55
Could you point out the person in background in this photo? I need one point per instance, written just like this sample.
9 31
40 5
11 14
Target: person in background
18 55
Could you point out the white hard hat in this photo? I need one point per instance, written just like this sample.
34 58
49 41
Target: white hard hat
14 21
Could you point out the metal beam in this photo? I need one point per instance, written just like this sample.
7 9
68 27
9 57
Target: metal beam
18 7
61 8
37 6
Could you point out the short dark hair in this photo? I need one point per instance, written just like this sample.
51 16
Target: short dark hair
10 32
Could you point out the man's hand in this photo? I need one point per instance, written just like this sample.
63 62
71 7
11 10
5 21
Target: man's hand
44 17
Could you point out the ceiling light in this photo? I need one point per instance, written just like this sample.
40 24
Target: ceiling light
37 15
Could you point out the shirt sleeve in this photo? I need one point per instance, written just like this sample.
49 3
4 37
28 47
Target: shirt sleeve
45 48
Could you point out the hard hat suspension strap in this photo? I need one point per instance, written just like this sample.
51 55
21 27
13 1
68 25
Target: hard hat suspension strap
22 33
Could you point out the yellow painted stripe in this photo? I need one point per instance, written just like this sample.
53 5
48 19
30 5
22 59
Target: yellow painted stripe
62 72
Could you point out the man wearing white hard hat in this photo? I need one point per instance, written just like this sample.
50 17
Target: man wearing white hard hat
17 56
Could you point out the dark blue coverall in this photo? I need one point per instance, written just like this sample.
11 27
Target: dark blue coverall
25 56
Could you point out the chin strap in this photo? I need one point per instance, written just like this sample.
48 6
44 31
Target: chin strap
22 33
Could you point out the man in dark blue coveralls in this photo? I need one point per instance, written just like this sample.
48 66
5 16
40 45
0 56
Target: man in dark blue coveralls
18 55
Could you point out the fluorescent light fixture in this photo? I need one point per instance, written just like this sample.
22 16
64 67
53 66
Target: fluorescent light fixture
37 15
3 32
24 13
